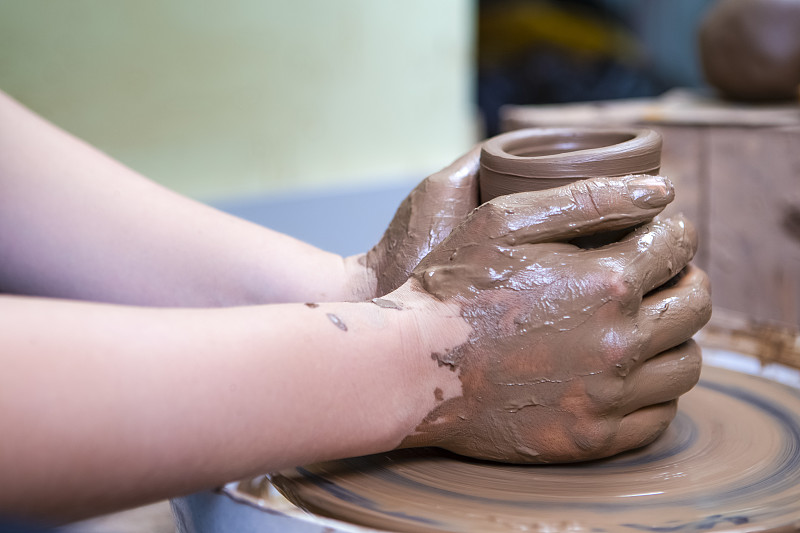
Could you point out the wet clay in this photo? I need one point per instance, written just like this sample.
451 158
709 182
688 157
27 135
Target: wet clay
542 158
750 49
730 461
566 321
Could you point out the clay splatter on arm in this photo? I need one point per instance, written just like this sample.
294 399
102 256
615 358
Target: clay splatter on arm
337 321
386 304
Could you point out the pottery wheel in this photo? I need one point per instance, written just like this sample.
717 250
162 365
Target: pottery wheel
729 461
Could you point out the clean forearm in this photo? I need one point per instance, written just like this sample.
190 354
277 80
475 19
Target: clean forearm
144 404
77 224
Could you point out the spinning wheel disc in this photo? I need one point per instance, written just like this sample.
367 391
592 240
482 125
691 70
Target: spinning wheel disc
729 461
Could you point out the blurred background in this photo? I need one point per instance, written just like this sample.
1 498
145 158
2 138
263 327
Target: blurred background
248 98
541 52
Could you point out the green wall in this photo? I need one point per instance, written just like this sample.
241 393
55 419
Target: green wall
218 99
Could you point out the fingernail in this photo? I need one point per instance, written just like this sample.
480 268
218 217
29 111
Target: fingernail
650 191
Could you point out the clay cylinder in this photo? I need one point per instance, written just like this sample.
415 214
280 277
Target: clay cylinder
542 158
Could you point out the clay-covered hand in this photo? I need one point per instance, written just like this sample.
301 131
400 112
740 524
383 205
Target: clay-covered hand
428 214
574 354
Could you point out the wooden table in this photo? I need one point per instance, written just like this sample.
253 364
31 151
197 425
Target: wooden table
736 170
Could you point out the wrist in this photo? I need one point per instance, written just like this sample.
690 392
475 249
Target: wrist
360 281
429 331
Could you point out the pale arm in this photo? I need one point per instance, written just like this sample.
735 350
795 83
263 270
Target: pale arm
104 406
76 224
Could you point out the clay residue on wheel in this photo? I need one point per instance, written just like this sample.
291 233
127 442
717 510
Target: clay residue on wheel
730 462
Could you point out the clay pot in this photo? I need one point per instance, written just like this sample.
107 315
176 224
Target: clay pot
750 49
542 158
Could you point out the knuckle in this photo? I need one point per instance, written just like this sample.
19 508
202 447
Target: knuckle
618 286
619 352
481 217
647 429
703 309
682 235
682 368
689 229
498 217
495 209
665 417
704 285
693 361
610 397
497 206
580 188
700 297
658 426
593 436
588 196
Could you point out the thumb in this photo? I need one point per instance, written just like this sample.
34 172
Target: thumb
581 208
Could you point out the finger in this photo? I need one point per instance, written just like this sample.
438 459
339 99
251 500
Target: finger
670 316
443 200
664 377
580 208
643 426
426 217
652 254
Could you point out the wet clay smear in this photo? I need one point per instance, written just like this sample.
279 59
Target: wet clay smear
386 304
729 462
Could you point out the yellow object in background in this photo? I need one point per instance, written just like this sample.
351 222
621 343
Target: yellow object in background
512 27
229 98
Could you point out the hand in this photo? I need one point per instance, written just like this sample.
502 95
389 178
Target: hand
574 354
427 215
